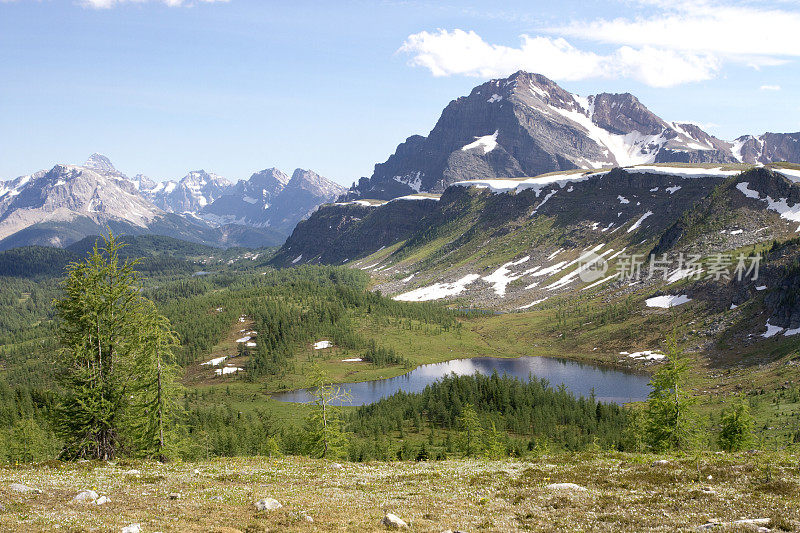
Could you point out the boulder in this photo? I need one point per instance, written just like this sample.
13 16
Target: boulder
393 521
660 462
133 528
101 500
756 523
572 487
19 487
86 496
268 504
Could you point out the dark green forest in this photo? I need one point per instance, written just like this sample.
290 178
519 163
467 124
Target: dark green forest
289 308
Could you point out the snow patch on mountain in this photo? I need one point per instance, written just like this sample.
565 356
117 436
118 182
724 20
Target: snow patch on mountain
791 174
537 184
667 301
780 205
487 143
438 291
633 148
639 221
683 172
501 277
413 180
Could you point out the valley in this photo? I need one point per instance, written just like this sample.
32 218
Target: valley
616 295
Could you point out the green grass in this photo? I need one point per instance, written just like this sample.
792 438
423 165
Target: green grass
623 493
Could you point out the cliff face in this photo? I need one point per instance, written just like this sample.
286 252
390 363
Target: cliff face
335 234
526 125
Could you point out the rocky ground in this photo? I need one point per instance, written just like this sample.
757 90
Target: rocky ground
575 492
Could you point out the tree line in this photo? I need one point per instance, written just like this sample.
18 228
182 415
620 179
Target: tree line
118 394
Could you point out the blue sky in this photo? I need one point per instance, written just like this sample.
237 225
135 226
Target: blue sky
167 86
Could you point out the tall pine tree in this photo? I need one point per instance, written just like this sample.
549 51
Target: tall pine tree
325 435
114 361
671 423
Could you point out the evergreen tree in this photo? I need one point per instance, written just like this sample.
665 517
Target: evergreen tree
670 423
113 344
28 442
471 431
736 432
494 448
325 435
155 412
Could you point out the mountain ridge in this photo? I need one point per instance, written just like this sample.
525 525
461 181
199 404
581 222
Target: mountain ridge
527 125
57 206
512 244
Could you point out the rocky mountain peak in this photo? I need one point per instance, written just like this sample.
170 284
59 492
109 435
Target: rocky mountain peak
143 183
624 113
311 181
271 179
202 178
67 192
526 125
544 89
100 162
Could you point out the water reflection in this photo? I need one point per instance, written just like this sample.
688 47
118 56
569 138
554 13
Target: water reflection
609 385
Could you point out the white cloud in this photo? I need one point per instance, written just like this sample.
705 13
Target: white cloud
770 87
107 4
753 34
459 52
682 41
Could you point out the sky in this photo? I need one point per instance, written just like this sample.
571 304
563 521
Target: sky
163 87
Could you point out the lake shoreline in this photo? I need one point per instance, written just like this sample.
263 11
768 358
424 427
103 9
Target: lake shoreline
574 374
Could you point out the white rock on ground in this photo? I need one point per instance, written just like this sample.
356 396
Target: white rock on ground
86 496
393 521
19 487
660 462
566 486
101 500
132 473
268 504
133 528
754 522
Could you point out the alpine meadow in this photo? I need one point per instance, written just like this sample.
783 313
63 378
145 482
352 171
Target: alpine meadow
544 276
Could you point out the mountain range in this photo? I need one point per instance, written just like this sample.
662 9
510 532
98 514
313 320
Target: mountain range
521 185
68 202
527 125
566 243
522 189
521 126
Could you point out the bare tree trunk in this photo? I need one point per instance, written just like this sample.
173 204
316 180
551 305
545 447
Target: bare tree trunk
159 399
324 429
